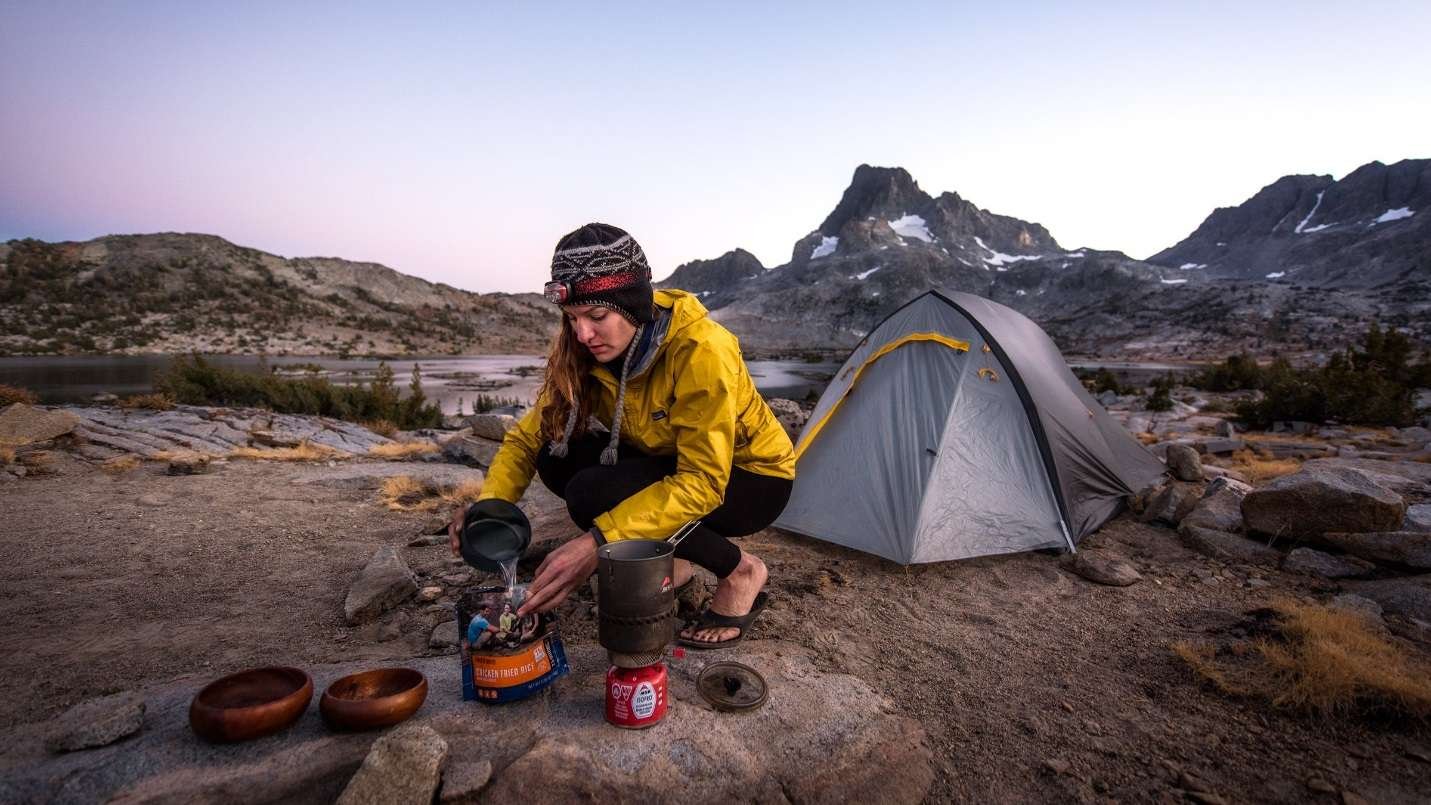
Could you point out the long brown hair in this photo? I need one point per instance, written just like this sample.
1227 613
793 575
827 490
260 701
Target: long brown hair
569 367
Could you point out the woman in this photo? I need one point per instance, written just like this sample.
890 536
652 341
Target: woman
689 437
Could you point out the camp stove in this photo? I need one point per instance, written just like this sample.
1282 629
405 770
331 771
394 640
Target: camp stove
635 609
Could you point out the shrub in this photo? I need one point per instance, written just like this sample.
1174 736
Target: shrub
194 381
486 402
1374 385
1161 398
150 402
15 394
305 451
1236 373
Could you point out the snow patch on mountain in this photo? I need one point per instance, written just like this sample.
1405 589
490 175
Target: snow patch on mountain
1191 266
1276 275
864 274
1393 215
912 226
1174 282
826 248
1308 219
1001 259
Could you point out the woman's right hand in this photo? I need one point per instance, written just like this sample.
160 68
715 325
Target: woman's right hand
454 529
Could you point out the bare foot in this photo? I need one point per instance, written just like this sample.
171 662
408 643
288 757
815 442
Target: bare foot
734 596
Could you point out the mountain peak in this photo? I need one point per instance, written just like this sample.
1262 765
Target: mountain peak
881 192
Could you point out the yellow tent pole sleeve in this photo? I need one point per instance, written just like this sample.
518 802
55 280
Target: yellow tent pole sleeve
937 338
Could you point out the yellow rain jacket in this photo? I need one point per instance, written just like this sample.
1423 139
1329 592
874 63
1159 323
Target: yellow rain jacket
689 396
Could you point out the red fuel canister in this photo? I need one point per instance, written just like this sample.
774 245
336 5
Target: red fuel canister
636 697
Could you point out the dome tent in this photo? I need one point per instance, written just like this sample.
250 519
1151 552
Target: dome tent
955 429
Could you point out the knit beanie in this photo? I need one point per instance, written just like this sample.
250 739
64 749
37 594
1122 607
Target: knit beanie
600 264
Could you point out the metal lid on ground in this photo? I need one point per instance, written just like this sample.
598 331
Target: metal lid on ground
732 686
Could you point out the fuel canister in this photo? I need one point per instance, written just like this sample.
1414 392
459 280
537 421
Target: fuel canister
636 697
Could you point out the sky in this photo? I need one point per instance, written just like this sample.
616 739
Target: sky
458 141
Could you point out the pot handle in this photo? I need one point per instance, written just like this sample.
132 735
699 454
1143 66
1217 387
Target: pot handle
675 539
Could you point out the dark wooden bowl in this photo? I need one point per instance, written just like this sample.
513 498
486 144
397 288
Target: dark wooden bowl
378 698
250 704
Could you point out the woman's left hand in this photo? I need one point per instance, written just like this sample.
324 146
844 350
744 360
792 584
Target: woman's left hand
561 572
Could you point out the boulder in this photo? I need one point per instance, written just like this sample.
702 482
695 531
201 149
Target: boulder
1409 548
490 426
1172 503
382 584
1418 518
1228 547
188 464
1184 462
1311 562
1319 499
1214 472
463 781
1415 435
790 416
1219 446
1408 597
1103 567
97 722
1139 423
1359 604
1225 429
470 450
444 635
402 768
1108 398
22 424
1220 508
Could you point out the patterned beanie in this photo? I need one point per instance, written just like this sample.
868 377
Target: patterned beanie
600 264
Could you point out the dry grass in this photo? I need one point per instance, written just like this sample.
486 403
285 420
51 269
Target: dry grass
405 493
1261 467
382 427
401 451
1319 661
120 464
7 455
148 402
15 394
1146 438
305 451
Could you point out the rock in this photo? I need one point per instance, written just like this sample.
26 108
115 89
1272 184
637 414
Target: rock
1408 597
383 583
1225 429
1416 435
463 780
1299 428
490 426
97 722
22 424
1184 462
1418 518
1409 548
469 450
1359 604
153 500
1318 499
1139 423
1310 562
189 464
1231 547
18 470
444 635
1138 501
1172 503
1214 472
403 766
1281 449
790 416
1218 447
266 438
1220 508
1057 765
1102 567
429 594
1108 398
104 398
427 540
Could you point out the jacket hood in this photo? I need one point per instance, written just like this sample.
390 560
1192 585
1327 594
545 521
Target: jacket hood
675 311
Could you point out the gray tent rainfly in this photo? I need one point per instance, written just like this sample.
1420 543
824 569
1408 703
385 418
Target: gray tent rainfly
955 429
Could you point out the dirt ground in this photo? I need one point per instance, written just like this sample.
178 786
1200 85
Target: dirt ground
1031 683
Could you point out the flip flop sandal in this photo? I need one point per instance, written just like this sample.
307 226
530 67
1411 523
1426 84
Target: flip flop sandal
711 620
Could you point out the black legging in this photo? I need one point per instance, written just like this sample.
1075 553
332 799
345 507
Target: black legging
590 489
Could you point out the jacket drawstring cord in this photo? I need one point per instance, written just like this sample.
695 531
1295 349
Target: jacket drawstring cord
608 456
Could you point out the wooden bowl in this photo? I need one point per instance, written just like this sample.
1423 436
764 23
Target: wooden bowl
378 698
250 704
